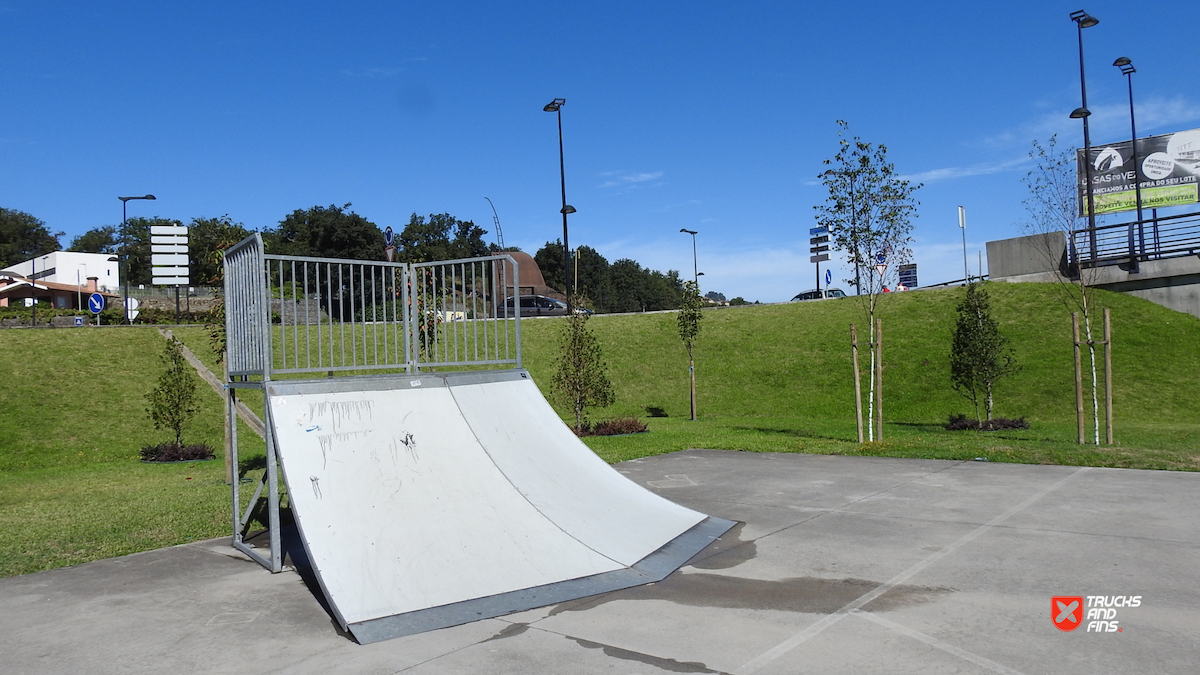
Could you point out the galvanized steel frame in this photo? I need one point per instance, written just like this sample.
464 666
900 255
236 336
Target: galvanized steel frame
441 315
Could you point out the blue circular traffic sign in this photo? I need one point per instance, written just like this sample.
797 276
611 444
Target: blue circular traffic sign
95 303
388 236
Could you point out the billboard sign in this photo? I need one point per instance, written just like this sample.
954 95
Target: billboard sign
1168 168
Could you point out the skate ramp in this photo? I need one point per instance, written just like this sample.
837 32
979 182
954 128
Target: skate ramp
427 501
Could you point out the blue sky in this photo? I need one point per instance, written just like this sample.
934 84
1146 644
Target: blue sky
705 115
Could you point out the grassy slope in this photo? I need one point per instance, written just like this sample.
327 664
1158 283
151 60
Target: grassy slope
794 360
779 377
73 419
771 378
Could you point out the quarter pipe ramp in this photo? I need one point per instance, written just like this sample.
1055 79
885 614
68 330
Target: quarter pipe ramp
431 500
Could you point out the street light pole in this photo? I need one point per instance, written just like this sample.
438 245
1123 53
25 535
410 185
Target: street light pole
555 106
33 290
1128 70
1084 20
962 224
695 274
125 252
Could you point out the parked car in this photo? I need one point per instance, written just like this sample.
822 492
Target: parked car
814 294
540 305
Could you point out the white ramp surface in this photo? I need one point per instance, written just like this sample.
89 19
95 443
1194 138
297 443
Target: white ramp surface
427 501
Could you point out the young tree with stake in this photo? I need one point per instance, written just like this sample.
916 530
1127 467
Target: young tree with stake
868 214
689 328
1053 207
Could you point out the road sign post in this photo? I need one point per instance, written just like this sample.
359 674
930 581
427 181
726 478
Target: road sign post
131 309
388 237
819 245
96 305
169 258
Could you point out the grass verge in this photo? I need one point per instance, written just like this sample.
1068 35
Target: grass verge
770 379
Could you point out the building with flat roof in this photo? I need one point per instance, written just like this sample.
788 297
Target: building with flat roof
71 268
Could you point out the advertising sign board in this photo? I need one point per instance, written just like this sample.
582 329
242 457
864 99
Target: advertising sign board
1167 166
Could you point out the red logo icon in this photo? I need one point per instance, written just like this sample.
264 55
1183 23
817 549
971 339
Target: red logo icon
1066 611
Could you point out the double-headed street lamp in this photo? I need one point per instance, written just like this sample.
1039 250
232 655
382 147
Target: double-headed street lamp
125 250
1128 70
555 106
695 274
1084 20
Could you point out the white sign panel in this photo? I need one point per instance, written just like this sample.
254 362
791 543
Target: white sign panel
169 255
161 259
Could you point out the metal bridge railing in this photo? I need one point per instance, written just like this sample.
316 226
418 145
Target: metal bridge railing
1147 239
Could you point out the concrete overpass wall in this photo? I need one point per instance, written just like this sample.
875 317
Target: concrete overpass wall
1170 282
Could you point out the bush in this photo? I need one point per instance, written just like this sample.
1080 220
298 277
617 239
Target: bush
173 399
617 427
174 452
962 422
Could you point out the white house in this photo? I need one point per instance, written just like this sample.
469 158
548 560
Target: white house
68 267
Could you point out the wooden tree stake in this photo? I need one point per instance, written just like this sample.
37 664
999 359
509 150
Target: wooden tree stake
1108 388
879 380
1078 377
857 386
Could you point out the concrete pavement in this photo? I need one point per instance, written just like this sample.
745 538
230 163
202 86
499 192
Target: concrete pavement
843 564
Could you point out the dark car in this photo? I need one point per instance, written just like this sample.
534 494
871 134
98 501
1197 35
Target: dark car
540 305
816 295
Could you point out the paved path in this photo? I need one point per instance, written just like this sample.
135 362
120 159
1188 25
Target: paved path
843 565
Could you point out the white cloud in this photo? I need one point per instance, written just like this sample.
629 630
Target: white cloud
372 72
1107 123
618 178
950 173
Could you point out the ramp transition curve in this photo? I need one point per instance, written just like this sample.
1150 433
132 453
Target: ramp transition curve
431 500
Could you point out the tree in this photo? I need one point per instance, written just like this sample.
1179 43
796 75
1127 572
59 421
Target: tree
1054 212
549 259
581 380
328 232
442 237
103 239
173 400
208 238
135 247
23 237
979 354
637 289
868 214
689 327
591 269
715 296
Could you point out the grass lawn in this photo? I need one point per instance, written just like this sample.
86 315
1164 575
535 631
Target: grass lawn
771 378
72 488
